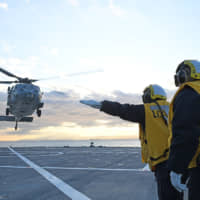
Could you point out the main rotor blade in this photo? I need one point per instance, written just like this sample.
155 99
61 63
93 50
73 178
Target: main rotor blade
84 73
8 73
33 80
20 80
8 82
73 74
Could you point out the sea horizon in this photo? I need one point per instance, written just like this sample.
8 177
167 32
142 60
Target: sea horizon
72 143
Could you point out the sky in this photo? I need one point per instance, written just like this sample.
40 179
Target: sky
103 49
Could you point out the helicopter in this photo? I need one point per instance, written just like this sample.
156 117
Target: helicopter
23 99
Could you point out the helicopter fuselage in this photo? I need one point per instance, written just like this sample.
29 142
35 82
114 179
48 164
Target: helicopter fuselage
23 99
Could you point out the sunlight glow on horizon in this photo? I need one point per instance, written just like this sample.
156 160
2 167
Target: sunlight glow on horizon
76 133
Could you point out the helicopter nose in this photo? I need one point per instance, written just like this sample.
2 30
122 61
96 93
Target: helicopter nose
29 96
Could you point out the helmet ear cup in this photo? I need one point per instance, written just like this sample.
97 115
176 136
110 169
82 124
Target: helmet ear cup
182 75
146 97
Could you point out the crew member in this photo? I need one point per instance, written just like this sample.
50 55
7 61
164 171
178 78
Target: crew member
184 125
152 118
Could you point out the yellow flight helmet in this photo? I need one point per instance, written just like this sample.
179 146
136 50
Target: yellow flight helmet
153 92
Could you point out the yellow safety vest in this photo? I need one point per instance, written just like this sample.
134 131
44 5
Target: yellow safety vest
154 139
196 86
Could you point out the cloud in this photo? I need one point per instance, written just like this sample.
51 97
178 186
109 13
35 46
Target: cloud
116 10
74 3
7 48
64 117
62 109
4 6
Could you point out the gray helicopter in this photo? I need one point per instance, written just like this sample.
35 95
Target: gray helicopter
24 98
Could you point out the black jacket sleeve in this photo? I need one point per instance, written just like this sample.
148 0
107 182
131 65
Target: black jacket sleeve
185 129
133 113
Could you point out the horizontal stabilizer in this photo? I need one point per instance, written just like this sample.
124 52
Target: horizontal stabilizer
12 119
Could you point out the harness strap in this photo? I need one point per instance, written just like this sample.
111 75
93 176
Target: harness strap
159 157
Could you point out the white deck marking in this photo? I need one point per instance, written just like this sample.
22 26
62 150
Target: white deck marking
79 168
97 169
14 167
61 185
38 154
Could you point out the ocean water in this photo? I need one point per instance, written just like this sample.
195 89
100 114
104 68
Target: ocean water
73 143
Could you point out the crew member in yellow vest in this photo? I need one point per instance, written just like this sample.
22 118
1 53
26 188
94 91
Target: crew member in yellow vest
184 126
154 134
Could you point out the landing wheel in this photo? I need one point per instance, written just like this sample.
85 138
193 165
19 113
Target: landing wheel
39 112
16 125
7 111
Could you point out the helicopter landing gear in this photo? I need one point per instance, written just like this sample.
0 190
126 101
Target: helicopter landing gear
41 105
16 125
39 112
7 111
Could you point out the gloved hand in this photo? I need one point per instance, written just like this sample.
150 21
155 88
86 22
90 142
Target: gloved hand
176 181
92 103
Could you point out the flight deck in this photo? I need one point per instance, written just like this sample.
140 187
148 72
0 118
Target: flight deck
78 173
